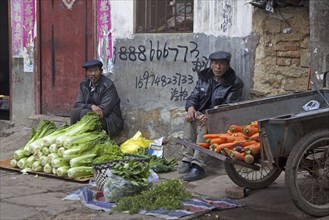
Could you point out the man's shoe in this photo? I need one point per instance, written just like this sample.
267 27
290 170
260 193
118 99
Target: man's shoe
185 168
196 173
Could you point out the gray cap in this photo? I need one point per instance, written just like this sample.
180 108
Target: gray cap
220 55
91 63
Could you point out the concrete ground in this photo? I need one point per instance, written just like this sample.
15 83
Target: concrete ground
38 197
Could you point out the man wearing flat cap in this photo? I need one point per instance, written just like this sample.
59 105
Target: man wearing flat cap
216 85
98 94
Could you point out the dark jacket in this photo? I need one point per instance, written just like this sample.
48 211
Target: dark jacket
206 95
107 98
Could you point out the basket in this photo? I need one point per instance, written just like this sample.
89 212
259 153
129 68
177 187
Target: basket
100 169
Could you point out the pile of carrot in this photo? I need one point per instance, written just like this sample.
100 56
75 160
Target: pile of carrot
240 142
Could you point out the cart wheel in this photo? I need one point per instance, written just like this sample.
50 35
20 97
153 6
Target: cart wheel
250 178
307 173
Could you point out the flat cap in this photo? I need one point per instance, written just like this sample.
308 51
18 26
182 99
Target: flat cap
91 63
220 55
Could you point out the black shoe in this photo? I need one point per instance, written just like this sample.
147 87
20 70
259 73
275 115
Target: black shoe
196 173
185 168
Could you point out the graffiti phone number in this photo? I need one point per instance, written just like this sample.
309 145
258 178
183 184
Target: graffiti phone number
150 80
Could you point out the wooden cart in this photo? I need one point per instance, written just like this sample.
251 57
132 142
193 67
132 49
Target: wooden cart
292 140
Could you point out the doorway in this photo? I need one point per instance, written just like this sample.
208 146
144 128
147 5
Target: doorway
66 42
4 62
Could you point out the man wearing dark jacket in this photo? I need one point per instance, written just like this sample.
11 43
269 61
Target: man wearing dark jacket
98 94
216 85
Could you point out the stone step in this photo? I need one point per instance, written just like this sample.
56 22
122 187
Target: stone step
34 120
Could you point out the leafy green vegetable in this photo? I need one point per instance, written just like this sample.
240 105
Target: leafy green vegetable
59 162
134 171
80 172
47 168
52 156
88 123
45 151
107 151
30 160
22 163
87 144
53 148
45 128
43 160
13 163
62 171
83 160
158 164
162 165
19 154
36 166
167 195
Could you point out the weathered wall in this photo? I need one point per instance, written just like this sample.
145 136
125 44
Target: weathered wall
22 93
154 73
282 59
269 61
319 13
155 82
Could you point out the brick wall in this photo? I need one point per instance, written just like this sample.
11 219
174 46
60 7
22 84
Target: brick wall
282 53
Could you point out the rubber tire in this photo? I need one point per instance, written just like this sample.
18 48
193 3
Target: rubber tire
239 180
291 171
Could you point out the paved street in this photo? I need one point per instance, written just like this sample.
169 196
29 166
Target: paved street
38 197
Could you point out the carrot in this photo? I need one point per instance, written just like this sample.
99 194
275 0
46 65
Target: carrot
249 158
254 123
255 136
235 155
213 147
204 144
227 137
249 130
245 144
239 134
219 147
210 136
253 149
216 141
235 128
224 151
208 140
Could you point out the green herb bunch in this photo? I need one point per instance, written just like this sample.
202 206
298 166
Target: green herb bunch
168 195
134 171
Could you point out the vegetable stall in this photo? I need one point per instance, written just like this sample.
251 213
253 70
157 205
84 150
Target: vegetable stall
83 151
258 139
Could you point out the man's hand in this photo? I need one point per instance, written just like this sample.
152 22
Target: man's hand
97 110
191 114
202 119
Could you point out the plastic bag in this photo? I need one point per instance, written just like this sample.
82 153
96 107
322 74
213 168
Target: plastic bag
311 105
131 145
117 187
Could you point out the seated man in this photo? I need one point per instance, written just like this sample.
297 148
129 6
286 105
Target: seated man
216 85
98 94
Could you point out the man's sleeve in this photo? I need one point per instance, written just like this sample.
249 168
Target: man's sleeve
235 95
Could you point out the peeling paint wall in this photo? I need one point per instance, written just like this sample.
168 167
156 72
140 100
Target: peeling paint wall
228 18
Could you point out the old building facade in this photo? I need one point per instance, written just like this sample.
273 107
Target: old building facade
152 52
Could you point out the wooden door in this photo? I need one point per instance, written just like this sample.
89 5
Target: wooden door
66 42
